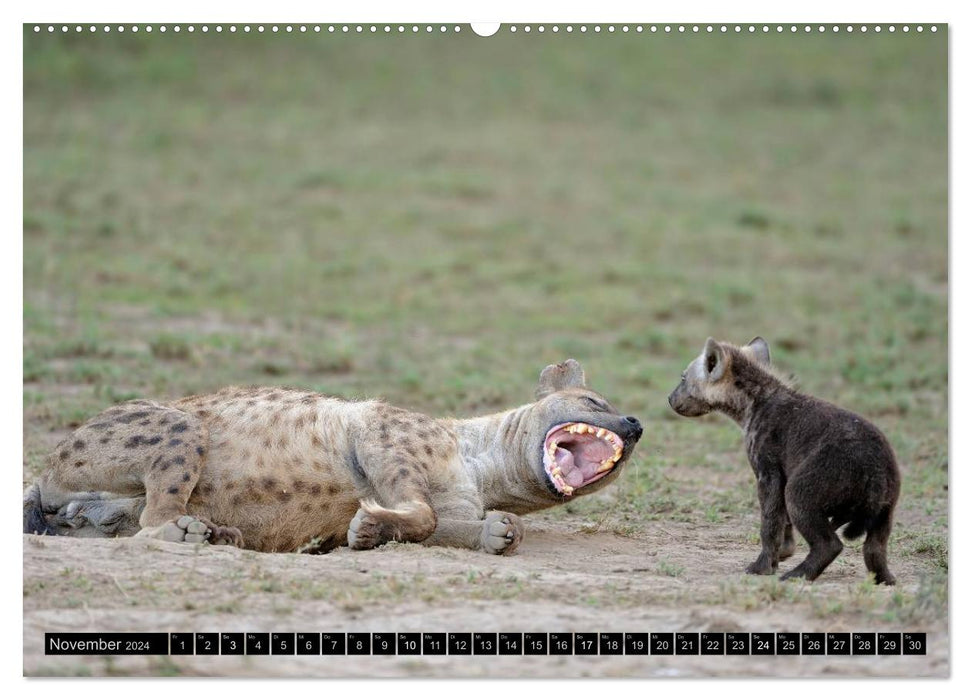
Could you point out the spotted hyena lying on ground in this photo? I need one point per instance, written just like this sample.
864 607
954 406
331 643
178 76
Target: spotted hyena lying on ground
819 467
279 470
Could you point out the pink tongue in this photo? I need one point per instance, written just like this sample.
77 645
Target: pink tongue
572 474
574 478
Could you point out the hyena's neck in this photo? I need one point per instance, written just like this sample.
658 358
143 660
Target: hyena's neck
739 409
754 387
494 450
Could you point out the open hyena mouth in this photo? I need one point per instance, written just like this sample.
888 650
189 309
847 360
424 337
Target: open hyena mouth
578 454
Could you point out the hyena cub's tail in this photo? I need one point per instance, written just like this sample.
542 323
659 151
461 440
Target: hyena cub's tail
868 521
855 529
34 521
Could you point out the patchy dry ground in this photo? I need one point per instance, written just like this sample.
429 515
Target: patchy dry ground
567 577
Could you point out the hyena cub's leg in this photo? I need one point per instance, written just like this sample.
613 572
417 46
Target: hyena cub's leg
775 523
824 545
808 517
788 542
875 548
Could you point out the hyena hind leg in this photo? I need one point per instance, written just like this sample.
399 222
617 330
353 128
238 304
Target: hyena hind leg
170 475
875 548
49 510
115 517
35 521
824 545
788 542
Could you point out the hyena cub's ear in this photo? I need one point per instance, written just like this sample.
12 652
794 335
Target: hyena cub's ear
558 377
759 349
714 360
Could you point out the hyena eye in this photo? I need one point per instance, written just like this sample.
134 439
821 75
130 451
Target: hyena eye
595 403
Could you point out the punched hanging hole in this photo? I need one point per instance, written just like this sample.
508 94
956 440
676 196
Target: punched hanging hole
485 28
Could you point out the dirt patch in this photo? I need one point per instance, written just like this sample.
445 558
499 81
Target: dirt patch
683 577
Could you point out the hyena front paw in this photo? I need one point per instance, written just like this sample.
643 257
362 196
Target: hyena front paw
501 533
798 572
219 534
193 530
788 549
760 567
364 531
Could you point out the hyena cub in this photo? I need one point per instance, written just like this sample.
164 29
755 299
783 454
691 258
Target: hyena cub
819 467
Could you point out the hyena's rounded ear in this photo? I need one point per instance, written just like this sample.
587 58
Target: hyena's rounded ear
564 375
759 349
715 359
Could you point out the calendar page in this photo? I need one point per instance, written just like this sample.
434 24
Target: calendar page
524 350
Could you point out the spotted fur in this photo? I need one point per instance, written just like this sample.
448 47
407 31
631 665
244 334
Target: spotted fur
281 470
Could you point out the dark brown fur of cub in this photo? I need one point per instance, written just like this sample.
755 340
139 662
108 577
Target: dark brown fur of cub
819 467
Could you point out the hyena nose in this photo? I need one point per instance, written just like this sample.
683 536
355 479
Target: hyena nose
635 425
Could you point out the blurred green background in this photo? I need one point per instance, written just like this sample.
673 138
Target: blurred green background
434 218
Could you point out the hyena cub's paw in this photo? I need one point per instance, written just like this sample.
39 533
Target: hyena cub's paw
501 533
760 567
788 549
194 530
798 572
364 531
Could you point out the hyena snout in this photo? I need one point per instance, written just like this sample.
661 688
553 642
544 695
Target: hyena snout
684 404
634 428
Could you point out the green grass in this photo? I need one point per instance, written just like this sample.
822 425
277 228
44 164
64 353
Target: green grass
433 220
666 568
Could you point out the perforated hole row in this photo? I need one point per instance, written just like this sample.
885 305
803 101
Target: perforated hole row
513 28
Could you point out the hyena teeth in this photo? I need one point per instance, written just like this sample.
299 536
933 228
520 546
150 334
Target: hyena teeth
601 433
